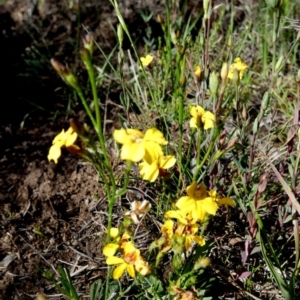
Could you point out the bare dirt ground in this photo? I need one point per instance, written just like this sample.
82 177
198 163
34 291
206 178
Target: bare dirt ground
50 214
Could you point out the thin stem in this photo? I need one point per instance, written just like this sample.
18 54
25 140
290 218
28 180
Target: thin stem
211 145
85 105
200 135
274 37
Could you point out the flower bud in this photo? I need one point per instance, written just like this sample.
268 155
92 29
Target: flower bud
224 71
279 65
65 73
214 82
198 71
244 113
159 19
88 43
265 102
202 263
230 42
41 296
205 8
120 34
183 80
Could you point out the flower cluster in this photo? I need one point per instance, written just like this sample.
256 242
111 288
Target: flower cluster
192 210
145 148
132 260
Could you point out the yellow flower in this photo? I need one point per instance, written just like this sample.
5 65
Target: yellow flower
146 61
239 66
198 71
66 139
135 143
197 202
200 202
131 262
186 228
155 163
131 255
200 118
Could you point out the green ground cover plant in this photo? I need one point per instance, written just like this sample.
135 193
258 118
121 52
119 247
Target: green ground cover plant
210 124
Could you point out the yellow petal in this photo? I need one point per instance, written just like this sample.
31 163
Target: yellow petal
110 249
149 172
60 137
146 60
114 260
114 232
199 240
125 136
197 191
188 242
129 248
207 205
142 267
173 214
130 270
196 111
118 271
167 162
54 153
226 201
209 120
194 123
155 135
167 228
186 204
191 189
71 137
133 152
153 151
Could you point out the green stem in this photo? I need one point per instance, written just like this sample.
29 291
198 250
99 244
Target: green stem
197 169
274 37
211 145
85 105
87 60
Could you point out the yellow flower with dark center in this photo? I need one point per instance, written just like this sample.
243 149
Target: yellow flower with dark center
63 139
131 261
146 61
238 66
201 118
200 202
131 256
135 143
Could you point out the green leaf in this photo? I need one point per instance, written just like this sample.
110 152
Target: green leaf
96 291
